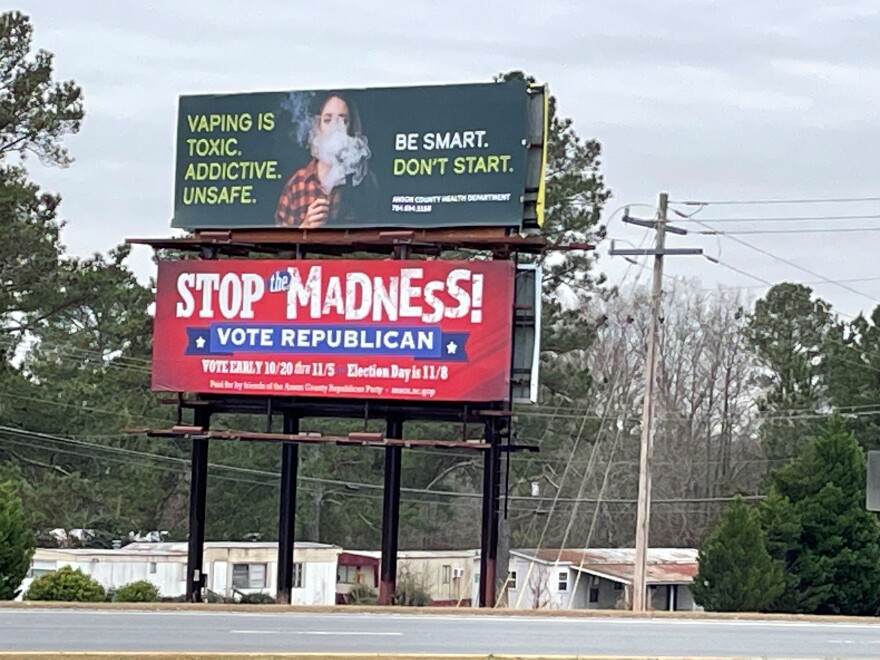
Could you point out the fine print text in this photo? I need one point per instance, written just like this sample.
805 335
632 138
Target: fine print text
245 376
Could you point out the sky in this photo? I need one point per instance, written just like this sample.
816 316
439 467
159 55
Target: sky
708 101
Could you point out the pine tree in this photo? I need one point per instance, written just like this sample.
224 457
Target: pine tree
832 553
17 542
782 527
737 574
790 331
36 112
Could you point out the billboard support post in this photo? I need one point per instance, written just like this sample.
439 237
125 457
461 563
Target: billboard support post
391 513
489 527
195 578
287 510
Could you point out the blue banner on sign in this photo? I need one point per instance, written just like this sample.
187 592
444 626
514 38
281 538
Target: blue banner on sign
198 342
453 347
420 342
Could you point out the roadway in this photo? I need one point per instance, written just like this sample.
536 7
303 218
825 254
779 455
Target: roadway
53 630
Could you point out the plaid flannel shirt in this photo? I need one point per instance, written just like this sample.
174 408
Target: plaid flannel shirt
302 189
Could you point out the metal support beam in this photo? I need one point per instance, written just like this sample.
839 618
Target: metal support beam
390 514
489 527
195 579
287 511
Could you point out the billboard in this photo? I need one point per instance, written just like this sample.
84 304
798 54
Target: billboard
527 334
412 157
400 330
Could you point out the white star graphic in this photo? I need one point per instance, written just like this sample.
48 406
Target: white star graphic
451 348
200 342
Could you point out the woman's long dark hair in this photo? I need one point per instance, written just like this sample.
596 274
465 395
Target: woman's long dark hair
316 107
355 201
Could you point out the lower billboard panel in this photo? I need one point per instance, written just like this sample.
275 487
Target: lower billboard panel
406 330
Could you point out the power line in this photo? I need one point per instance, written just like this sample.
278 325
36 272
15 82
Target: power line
104 411
535 411
109 357
77 356
583 419
124 461
794 218
740 271
765 282
670 504
732 202
823 230
788 262
79 450
568 467
336 482
265 482
824 280
808 414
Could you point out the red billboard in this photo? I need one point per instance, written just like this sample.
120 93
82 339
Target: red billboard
408 330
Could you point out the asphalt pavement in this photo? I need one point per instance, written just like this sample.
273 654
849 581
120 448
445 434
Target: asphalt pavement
278 632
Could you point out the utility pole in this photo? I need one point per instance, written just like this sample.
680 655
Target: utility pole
646 452
646 448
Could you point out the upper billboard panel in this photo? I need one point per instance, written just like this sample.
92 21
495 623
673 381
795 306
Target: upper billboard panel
412 157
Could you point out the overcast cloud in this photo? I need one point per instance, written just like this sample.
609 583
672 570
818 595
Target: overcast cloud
705 100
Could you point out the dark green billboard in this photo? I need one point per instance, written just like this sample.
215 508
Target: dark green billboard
419 157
